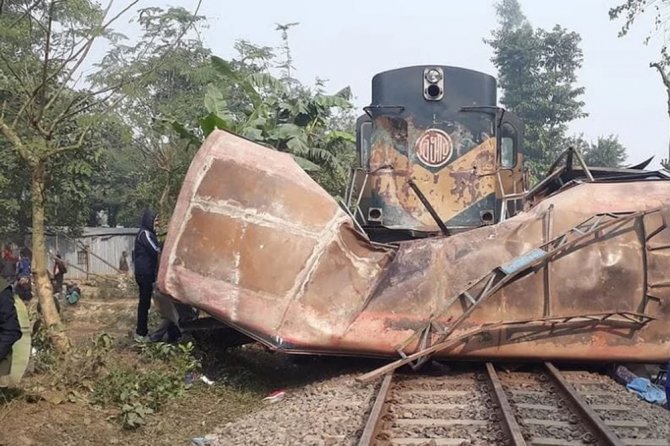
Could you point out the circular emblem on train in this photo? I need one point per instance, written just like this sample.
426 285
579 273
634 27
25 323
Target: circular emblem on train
434 148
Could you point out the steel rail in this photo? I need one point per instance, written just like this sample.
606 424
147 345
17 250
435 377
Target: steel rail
372 425
510 424
604 433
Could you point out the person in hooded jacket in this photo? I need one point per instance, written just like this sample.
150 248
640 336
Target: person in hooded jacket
145 260
10 330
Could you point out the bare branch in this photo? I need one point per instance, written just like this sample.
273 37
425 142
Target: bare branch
88 106
113 88
45 65
81 54
116 17
29 97
76 146
44 132
27 13
11 70
23 108
80 142
14 140
664 75
75 103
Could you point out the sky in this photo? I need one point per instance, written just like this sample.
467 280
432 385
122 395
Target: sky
349 41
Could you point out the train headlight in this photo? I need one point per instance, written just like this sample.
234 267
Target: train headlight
433 76
433 83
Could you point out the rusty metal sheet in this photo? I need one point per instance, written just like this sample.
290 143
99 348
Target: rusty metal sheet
256 243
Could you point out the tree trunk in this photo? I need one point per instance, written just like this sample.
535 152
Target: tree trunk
43 287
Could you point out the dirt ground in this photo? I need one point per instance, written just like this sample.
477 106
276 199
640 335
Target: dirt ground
33 415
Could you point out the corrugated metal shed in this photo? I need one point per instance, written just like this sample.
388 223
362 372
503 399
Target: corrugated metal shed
97 250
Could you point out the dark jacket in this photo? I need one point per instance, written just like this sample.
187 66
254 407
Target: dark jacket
147 249
10 330
59 267
23 268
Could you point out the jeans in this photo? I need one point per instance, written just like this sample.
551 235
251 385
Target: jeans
146 284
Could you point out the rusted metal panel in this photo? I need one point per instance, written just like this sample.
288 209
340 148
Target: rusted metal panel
257 244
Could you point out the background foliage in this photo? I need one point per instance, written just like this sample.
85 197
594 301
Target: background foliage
171 92
537 73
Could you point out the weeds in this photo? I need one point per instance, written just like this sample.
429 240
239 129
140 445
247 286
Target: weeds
138 382
43 354
140 392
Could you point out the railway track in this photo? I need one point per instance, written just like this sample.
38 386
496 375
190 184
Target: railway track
545 407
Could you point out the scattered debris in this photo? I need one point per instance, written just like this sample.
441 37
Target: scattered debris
641 386
647 391
275 397
206 380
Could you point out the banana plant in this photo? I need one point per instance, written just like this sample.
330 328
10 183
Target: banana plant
289 120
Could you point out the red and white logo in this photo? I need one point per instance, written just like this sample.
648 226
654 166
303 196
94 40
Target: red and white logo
434 148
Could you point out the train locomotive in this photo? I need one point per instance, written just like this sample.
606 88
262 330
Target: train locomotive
436 155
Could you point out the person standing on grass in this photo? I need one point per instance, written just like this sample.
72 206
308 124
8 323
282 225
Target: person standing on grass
123 263
145 260
59 273
9 263
23 268
24 275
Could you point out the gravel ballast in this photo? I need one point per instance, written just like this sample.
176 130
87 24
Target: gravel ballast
330 412
334 411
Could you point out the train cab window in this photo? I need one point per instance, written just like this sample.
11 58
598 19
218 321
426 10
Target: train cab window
508 146
364 142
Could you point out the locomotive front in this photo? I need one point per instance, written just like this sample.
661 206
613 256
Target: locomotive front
436 155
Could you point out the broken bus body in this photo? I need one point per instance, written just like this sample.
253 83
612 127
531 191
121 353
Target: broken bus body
580 274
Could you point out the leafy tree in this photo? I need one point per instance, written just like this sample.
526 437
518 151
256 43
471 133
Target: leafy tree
156 156
14 191
116 179
48 117
537 71
630 10
607 151
194 93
